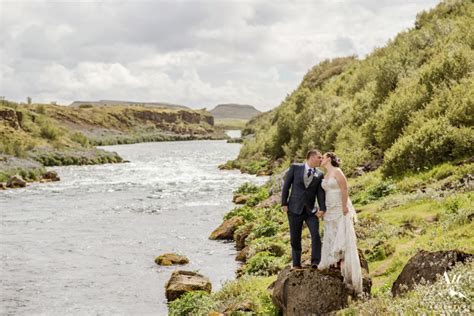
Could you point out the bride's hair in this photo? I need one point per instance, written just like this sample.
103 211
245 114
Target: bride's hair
335 161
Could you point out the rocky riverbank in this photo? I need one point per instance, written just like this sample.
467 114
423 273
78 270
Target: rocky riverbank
17 172
403 226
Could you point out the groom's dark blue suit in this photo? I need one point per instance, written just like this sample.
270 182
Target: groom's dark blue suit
301 203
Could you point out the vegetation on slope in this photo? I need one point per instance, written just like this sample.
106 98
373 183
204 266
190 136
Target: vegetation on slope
408 105
432 210
57 135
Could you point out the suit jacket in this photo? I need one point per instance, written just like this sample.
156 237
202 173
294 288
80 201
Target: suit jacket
300 195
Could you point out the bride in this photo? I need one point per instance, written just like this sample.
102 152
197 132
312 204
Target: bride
339 241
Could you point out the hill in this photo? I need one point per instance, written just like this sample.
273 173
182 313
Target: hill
234 111
63 135
406 107
402 119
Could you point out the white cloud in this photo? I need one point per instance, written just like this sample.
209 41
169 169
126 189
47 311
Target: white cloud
196 53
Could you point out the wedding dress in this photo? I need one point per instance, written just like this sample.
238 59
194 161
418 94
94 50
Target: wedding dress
339 241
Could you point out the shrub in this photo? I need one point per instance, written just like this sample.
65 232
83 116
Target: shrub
246 212
258 197
436 141
48 131
247 188
191 303
264 264
80 138
251 289
380 252
374 192
266 229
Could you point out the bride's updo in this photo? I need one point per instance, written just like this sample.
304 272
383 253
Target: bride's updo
335 161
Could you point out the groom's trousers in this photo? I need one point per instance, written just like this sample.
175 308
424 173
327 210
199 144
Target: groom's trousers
296 227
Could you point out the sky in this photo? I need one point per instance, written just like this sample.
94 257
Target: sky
195 53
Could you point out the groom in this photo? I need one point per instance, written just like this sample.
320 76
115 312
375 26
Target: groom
305 183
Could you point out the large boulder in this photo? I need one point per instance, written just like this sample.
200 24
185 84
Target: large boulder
427 266
182 282
168 259
16 181
227 228
310 291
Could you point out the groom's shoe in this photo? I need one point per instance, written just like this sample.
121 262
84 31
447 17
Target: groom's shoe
314 266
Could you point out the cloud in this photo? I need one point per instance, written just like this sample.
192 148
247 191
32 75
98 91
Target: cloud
196 53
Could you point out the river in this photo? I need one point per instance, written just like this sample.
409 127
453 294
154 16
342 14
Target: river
87 244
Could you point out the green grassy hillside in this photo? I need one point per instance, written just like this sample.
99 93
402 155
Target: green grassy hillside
409 104
402 120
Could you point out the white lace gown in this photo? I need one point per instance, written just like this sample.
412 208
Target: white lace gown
339 241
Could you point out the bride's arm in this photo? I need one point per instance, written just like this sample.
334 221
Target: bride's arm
342 181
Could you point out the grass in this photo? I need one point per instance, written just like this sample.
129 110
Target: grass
442 297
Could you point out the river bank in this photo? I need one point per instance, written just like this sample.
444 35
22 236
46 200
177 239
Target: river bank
430 211
56 135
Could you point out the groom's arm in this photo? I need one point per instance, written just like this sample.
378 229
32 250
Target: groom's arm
285 191
321 196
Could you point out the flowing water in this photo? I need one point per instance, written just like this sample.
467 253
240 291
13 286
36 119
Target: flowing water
86 245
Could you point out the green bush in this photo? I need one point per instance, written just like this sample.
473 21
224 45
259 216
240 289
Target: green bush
374 192
266 229
264 264
246 212
435 141
380 252
247 188
49 131
254 199
191 303
81 139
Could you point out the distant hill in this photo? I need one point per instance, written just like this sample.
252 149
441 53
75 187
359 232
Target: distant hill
234 111
128 103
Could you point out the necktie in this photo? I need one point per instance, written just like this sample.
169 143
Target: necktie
310 171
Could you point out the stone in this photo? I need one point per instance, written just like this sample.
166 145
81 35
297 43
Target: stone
16 181
432 218
310 291
263 173
271 201
427 266
3 186
168 259
51 175
240 198
182 282
242 254
226 230
241 235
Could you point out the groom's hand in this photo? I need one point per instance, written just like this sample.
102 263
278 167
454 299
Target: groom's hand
284 208
320 214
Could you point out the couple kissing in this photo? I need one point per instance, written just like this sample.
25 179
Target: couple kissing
303 185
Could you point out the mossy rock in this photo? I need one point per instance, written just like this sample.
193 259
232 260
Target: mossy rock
169 259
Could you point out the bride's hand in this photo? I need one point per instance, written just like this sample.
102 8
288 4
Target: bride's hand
345 210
